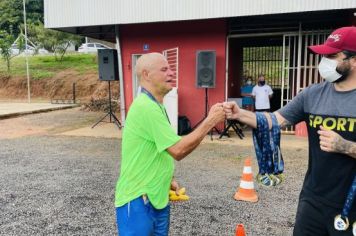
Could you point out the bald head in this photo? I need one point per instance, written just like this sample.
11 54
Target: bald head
154 74
147 62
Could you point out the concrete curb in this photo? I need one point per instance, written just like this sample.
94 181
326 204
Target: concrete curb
17 114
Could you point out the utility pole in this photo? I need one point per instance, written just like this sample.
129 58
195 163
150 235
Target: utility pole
27 69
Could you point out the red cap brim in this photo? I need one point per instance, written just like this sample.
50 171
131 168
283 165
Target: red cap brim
324 49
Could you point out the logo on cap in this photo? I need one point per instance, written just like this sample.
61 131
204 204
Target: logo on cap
335 37
341 39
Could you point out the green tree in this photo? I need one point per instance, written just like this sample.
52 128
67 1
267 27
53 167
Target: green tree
52 40
11 16
34 11
6 41
11 23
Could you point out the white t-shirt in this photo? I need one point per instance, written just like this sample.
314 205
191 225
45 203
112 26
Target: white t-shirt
261 94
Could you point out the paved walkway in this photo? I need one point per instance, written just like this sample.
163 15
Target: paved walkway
9 110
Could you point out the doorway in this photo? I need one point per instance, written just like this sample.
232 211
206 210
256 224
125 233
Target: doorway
282 57
252 56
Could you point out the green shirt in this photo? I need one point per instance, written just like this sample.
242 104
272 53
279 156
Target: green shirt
146 166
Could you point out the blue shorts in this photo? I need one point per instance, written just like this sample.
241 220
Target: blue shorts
139 218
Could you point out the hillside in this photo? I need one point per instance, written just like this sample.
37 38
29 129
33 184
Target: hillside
51 79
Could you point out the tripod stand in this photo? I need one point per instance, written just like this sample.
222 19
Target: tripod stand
111 115
206 114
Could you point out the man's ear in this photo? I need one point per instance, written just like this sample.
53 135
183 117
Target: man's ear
353 62
144 75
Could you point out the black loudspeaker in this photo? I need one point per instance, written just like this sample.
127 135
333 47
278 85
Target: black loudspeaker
108 66
205 69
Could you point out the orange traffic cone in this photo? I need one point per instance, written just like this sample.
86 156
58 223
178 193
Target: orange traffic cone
246 192
240 230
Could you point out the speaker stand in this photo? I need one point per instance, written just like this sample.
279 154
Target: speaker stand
206 115
112 117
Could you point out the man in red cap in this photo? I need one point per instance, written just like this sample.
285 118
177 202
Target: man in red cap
329 109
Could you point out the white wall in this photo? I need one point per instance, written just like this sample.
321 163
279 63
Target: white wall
70 13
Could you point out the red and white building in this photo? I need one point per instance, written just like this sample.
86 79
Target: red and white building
242 33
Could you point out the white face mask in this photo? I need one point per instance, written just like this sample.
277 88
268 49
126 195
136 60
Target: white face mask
249 82
327 69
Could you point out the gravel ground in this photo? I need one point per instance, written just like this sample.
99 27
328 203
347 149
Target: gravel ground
60 185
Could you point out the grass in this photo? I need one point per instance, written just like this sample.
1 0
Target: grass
45 66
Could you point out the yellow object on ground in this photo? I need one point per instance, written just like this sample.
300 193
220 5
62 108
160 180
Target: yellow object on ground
181 191
181 197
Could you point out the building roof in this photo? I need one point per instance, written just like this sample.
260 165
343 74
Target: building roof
76 13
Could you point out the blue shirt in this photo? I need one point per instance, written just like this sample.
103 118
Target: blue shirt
247 100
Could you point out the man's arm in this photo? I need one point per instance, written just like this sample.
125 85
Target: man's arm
330 141
253 93
189 142
270 93
232 111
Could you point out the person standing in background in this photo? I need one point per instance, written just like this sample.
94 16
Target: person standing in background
246 93
262 93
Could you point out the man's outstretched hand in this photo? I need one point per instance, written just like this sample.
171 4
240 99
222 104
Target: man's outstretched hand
216 114
232 111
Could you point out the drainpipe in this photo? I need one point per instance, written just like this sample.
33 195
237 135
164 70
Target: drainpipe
121 77
26 54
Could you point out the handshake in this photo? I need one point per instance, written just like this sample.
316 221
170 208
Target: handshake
221 111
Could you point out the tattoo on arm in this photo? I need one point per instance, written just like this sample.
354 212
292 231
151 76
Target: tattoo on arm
344 146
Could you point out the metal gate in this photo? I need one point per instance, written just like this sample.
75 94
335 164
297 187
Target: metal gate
263 60
299 67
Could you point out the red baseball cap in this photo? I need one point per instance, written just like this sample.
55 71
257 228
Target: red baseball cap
342 39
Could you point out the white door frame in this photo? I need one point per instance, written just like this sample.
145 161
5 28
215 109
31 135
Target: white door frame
170 101
135 84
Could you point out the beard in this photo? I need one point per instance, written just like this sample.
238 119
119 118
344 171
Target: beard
344 72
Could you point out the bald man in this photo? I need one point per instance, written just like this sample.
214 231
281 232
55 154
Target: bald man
149 148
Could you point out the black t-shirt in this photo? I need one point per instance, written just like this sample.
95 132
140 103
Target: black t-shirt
329 175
